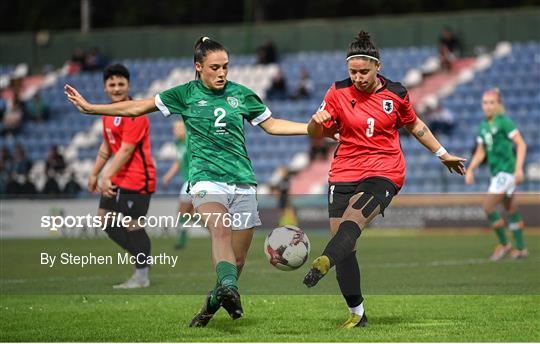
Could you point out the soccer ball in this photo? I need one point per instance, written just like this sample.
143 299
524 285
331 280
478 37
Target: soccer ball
287 248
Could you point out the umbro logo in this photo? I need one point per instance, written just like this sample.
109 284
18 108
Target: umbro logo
202 102
387 193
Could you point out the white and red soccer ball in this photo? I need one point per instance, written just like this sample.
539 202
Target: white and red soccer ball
287 248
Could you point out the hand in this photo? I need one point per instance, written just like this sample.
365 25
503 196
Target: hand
93 183
469 178
76 99
518 175
107 187
453 163
321 117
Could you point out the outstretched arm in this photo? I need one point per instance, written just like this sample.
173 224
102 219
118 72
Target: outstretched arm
275 126
422 133
128 108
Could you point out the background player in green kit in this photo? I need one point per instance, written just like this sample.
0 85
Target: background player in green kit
222 181
496 136
181 164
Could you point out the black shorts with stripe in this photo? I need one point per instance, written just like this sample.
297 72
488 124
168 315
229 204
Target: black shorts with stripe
339 194
128 202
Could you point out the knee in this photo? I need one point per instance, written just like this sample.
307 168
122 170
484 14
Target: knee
221 233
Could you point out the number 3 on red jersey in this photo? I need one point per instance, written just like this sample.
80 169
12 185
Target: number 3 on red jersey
370 127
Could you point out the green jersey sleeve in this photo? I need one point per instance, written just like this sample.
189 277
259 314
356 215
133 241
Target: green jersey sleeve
172 101
509 127
257 111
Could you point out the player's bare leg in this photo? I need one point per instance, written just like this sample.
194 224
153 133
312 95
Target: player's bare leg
491 201
226 291
213 214
241 241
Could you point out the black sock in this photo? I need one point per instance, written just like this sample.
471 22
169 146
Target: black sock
348 277
119 236
342 244
139 243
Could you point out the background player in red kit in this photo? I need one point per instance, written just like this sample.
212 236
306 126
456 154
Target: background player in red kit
129 180
369 168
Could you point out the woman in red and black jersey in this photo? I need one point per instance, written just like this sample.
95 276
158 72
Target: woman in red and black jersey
368 170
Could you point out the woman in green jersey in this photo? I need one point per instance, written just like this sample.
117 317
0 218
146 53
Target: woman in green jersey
497 135
222 181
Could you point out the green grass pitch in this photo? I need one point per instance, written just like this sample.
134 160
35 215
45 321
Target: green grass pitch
418 287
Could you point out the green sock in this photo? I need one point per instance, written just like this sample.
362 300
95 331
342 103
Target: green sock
227 274
214 303
501 234
182 238
493 218
518 237
514 223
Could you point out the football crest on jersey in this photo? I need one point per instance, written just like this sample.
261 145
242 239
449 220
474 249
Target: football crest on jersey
117 121
233 102
388 106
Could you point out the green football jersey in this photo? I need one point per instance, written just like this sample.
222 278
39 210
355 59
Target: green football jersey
182 156
496 136
214 123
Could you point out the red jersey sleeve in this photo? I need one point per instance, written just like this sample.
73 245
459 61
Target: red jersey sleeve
406 113
135 129
331 106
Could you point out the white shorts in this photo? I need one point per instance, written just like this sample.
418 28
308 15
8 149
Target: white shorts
184 196
502 183
239 199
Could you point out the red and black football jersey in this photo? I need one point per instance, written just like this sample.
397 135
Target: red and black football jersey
138 173
368 127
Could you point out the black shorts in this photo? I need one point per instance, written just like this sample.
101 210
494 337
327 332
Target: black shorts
339 194
128 202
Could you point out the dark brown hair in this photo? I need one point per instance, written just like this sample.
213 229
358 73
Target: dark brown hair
203 46
363 45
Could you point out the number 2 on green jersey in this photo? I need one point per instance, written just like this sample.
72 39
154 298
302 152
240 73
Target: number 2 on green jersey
220 113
